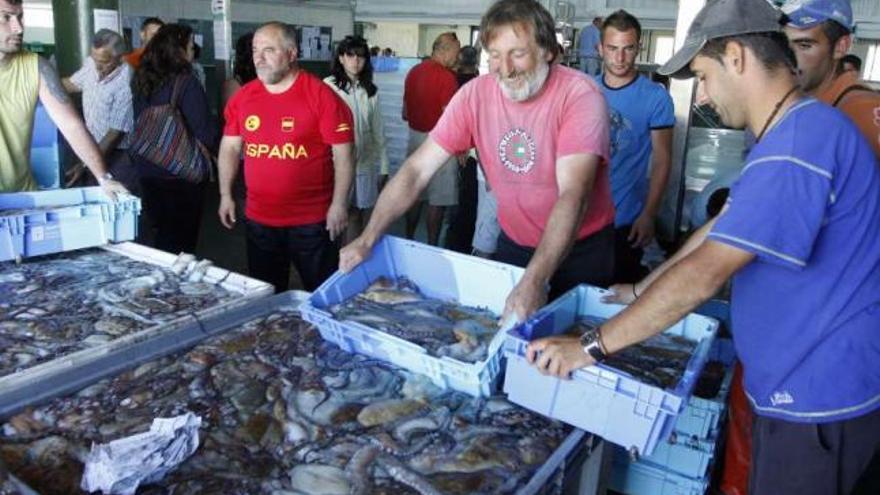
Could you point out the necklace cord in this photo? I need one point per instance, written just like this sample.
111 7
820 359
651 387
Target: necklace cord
775 111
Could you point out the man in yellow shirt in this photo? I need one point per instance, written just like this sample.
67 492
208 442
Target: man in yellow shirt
24 77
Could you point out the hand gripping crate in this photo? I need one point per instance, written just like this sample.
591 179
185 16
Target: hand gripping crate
60 220
439 274
600 399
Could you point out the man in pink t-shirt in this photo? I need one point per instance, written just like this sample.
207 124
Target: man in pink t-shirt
542 133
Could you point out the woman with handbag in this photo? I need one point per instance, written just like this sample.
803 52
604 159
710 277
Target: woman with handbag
174 140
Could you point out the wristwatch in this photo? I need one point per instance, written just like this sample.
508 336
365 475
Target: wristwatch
592 344
106 176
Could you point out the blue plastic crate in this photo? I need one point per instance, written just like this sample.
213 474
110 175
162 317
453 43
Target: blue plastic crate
600 399
64 220
701 416
686 453
688 456
633 478
440 274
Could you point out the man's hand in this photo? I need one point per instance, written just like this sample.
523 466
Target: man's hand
558 356
226 211
74 174
337 220
526 298
353 254
112 188
620 294
642 232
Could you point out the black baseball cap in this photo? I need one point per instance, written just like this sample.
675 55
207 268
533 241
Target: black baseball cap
718 19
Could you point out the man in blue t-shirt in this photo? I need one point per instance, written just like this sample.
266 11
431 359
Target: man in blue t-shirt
800 237
588 47
641 118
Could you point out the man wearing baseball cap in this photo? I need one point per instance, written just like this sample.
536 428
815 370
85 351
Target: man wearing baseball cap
820 34
800 237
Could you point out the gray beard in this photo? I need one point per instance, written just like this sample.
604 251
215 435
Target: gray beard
272 77
533 85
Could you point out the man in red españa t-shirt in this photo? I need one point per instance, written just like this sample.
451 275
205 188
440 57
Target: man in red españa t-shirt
541 131
297 137
428 88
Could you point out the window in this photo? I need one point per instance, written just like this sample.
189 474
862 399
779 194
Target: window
663 49
871 70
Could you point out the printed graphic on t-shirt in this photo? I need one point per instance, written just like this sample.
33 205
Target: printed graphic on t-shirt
286 151
287 124
517 151
621 131
252 123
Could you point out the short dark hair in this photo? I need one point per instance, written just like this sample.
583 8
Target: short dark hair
525 12
834 31
622 21
14 2
468 57
771 48
152 20
854 60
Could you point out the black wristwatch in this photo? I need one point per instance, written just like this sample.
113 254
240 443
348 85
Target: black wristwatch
592 344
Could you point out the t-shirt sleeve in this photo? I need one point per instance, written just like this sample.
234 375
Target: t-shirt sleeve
230 115
335 120
776 210
585 127
663 116
454 131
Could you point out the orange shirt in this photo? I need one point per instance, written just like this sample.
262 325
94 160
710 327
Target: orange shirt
134 58
860 105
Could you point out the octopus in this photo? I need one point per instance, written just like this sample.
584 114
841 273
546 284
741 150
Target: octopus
55 305
284 412
443 328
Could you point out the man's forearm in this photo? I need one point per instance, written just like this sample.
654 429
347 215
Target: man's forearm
678 291
227 169
557 239
110 141
693 242
343 174
84 146
656 187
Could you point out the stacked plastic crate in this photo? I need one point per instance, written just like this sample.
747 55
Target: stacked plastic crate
38 223
682 465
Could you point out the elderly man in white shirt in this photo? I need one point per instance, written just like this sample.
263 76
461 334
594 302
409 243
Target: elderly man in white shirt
105 83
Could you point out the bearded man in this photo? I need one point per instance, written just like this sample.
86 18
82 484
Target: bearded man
541 131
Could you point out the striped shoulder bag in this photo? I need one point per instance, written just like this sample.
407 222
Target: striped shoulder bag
161 137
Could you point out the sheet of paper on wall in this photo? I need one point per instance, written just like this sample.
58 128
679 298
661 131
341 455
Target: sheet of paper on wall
325 47
199 39
221 43
106 19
